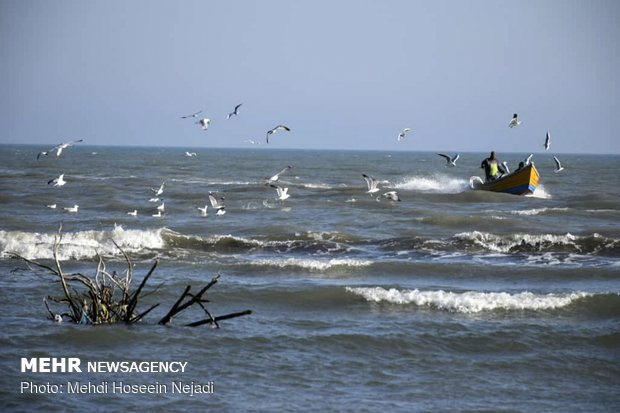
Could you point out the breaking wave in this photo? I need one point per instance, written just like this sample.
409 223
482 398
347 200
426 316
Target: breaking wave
470 301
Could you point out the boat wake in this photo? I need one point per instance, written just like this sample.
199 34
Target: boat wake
438 183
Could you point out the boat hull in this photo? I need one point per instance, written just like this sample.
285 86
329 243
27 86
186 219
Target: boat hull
521 182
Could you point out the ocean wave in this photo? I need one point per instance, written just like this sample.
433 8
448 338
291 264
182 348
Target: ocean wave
538 211
81 244
470 301
438 183
519 242
312 264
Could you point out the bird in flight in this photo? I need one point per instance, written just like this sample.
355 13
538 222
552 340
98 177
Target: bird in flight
528 160
215 203
277 176
204 123
547 141
274 130
60 181
193 115
235 112
391 195
451 161
558 165
59 148
282 192
371 183
514 121
401 135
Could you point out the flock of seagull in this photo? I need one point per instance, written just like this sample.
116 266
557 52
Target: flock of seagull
282 192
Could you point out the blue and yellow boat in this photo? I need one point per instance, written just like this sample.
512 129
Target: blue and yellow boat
521 182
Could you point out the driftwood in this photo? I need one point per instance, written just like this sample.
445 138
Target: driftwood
106 298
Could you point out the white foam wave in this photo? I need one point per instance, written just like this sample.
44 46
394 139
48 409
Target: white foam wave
504 243
81 244
438 183
537 211
540 192
470 301
311 264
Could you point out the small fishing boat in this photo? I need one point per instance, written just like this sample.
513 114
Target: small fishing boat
521 182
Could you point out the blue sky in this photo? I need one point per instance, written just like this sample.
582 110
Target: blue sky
340 74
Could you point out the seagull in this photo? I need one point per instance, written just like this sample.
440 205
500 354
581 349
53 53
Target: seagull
51 206
204 123
528 160
215 203
234 112
193 115
154 199
58 181
133 213
161 207
190 154
274 130
506 167
547 141
282 192
372 184
391 195
59 148
558 165
158 191
450 161
277 176
401 135
203 211
514 121
74 208
158 214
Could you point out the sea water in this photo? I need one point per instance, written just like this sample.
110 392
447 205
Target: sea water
449 300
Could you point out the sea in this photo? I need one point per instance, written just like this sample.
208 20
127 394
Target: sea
448 300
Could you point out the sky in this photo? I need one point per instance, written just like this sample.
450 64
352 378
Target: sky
349 74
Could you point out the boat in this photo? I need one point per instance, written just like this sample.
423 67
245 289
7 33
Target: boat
523 181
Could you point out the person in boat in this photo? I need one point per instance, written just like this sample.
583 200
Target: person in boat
492 168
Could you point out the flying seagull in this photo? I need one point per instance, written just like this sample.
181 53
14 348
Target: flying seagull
282 192
234 112
158 191
60 181
274 130
215 203
401 135
204 123
547 141
528 160
161 207
506 167
391 195
277 176
193 115
558 165
372 184
74 208
514 121
451 161
203 211
59 148
190 154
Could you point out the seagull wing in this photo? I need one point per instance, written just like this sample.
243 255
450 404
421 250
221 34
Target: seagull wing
547 141
372 184
557 162
455 157
444 156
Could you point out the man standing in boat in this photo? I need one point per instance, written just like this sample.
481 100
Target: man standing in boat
492 168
